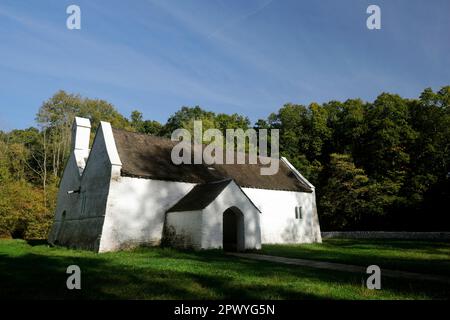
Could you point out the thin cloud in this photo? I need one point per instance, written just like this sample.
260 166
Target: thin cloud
140 73
242 52
239 19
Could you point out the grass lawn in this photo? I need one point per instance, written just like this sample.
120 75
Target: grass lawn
39 272
407 255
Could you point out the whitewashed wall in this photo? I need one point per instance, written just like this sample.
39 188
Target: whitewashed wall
136 211
112 212
203 229
136 215
85 211
212 230
278 223
71 180
184 229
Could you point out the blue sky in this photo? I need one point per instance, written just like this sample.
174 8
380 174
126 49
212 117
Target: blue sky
248 57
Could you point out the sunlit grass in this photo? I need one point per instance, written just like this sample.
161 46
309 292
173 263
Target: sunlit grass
39 272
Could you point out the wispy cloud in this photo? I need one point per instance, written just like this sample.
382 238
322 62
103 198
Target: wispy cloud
239 19
228 42
229 56
46 49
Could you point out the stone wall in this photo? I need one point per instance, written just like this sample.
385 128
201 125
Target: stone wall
386 235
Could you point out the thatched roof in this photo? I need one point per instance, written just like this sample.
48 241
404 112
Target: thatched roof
147 156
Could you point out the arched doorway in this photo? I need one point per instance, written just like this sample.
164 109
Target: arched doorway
233 230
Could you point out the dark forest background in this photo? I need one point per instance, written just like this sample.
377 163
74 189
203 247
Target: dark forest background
381 165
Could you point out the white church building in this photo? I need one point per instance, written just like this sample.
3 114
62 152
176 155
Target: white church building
124 191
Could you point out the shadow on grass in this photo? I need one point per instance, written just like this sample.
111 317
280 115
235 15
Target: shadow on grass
33 276
171 274
37 242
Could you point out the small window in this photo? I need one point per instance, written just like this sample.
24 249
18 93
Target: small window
298 213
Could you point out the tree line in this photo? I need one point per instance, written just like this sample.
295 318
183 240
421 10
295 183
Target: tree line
381 165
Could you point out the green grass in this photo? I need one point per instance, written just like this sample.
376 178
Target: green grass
415 256
39 272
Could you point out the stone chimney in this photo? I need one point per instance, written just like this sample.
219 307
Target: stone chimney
81 135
